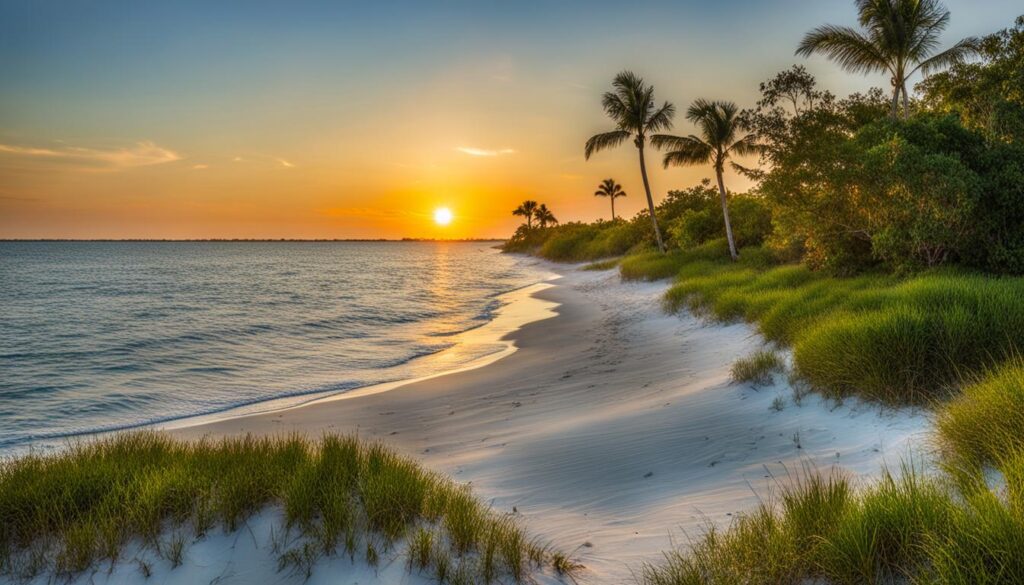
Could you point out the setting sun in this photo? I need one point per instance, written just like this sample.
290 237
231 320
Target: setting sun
442 216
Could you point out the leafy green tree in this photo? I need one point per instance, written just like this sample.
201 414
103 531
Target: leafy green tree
632 108
721 137
526 210
693 216
612 190
989 94
898 37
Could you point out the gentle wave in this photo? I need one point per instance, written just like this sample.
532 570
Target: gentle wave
100 336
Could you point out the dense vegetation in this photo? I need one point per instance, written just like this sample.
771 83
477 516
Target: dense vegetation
845 187
883 241
62 513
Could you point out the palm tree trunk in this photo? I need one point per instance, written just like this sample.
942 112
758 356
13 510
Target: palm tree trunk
725 214
895 101
650 200
906 102
613 207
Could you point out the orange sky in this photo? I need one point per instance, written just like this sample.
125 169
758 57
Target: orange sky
197 120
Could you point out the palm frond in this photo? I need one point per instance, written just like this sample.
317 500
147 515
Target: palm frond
661 119
683 150
754 174
746 146
846 46
956 54
615 107
600 142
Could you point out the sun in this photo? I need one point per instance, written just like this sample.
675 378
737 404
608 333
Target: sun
442 216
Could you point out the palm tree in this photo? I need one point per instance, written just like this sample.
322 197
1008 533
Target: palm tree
898 37
631 106
610 189
719 128
544 216
526 209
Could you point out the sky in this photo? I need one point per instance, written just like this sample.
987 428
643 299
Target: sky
342 119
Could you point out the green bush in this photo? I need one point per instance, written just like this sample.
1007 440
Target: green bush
694 216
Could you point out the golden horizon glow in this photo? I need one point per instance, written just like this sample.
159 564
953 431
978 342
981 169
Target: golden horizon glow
443 216
358 120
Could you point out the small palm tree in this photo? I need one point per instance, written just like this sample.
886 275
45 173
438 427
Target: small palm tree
544 216
898 37
526 210
612 190
719 128
632 107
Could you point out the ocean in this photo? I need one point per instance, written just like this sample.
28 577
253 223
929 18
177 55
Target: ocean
99 336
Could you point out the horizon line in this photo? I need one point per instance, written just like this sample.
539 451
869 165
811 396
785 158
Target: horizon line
2 240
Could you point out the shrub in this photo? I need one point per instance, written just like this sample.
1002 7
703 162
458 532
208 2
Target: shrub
694 216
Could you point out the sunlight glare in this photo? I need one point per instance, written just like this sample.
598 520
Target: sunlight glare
442 216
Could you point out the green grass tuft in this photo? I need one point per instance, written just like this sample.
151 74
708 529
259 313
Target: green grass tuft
64 513
757 367
603 264
985 423
909 528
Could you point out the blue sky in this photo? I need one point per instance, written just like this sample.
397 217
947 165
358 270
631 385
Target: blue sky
365 105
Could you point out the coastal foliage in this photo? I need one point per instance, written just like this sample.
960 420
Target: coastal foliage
988 94
887 251
63 513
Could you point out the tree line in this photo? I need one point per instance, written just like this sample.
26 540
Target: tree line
882 177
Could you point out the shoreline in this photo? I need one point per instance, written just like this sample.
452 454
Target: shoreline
612 429
519 307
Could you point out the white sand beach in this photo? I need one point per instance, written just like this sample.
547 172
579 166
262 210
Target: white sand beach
613 430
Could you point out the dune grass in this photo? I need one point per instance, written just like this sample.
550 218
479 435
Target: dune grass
904 528
603 264
64 513
985 424
896 340
758 367
947 339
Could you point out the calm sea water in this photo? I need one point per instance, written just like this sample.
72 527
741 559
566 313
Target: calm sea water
98 336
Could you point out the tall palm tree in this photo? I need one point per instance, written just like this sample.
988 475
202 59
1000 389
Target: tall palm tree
720 138
544 216
631 106
899 37
526 209
612 190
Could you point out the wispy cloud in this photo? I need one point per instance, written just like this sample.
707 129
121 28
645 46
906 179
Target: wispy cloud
483 151
200 167
142 154
285 163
